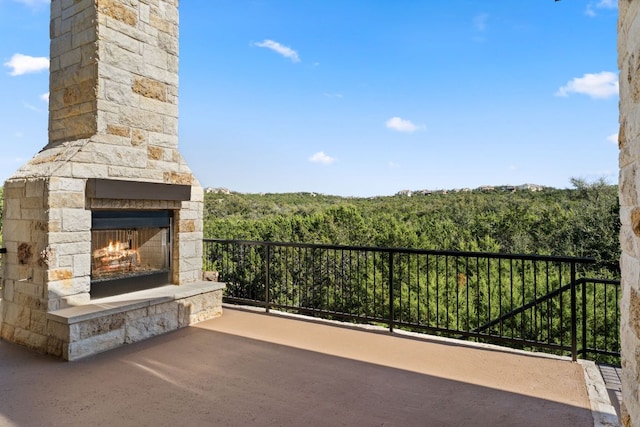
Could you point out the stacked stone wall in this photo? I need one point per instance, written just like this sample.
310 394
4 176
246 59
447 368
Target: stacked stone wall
113 115
629 185
24 291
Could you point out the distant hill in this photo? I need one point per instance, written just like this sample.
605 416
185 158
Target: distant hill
582 221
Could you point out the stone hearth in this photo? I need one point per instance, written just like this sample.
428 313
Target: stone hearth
113 146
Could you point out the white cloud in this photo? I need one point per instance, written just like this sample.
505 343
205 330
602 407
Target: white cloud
607 4
321 158
30 107
393 165
285 51
613 138
601 4
600 85
402 125
332 95
480 21
45 97
23 64
33 3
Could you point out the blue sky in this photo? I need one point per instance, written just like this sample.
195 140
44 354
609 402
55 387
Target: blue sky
365 97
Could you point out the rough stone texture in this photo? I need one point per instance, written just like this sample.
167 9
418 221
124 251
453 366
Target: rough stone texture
113 114
629 143
77 332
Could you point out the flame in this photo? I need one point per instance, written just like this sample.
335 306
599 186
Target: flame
116 247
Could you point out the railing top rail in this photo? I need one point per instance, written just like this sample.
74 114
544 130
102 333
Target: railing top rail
601 281
525 257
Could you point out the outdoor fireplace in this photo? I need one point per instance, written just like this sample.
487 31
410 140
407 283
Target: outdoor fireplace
108 206
130 251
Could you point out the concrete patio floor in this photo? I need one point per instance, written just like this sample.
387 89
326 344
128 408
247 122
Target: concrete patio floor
249 368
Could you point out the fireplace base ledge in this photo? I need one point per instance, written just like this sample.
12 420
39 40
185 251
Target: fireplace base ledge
107 323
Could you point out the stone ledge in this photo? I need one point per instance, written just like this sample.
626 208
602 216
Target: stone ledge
126 302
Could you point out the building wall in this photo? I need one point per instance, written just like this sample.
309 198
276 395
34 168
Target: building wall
629 185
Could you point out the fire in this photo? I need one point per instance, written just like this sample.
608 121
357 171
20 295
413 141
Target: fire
116 257
116 247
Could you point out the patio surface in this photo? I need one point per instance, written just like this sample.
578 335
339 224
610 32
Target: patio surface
249 368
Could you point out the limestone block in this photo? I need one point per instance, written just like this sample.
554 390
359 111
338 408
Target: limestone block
118 11
66 184
30 339
15 315
73 248
6 294
158 58
150 88
121 58
58 330
139 137
116 130
161 73
118 93
63 288
162 108
73 7
82 264
13 230
7 331
125 41
56 8
69 237
98 326
144 120
38 322
60 44
141 174
76 220
200 307
88 170
162 24
166 166
95 344
178 178
12 209
144 13
168 43
153 325
136 314
28 301
31 289
15 189
170 125
66 199
54 346
155 153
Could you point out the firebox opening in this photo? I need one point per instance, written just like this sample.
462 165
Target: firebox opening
130 251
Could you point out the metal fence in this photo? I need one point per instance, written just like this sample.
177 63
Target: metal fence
522 301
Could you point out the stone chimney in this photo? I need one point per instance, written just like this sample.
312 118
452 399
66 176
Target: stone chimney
113 124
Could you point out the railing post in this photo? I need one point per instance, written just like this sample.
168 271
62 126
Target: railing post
267 279
392 314
583 350
574 330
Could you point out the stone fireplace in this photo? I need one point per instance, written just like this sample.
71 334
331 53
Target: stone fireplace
103 227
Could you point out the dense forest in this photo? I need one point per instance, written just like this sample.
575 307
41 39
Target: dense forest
581 221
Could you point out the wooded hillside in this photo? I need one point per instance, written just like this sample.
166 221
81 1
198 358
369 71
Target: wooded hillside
581 221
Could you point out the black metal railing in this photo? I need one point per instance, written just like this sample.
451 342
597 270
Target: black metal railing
523 301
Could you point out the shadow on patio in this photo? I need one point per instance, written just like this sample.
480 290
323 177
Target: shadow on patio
249 368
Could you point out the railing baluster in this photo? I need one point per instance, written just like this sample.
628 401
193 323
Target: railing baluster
391 294
574 338
327 281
